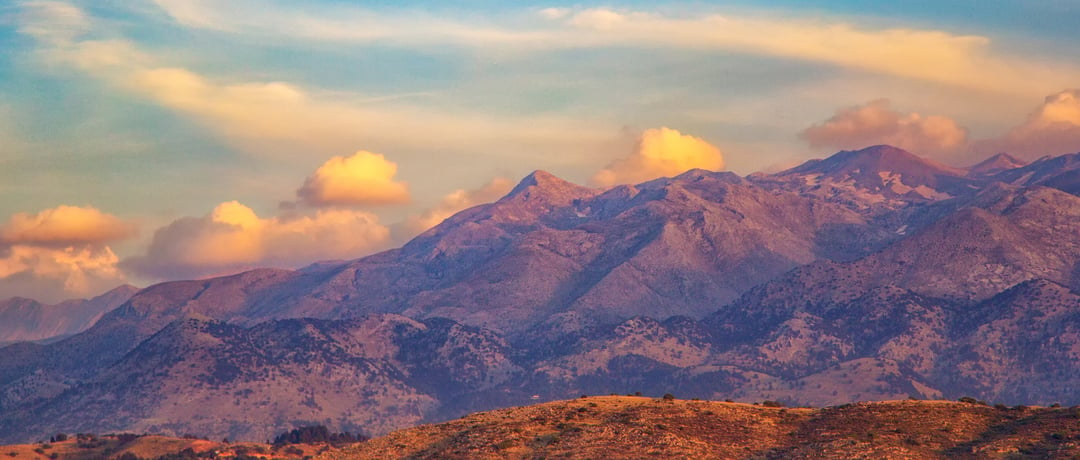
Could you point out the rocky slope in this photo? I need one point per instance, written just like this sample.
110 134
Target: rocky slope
221 380
629 427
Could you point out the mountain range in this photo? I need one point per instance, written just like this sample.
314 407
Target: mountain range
871 274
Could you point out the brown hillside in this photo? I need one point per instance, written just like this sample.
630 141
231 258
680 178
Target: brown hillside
638 427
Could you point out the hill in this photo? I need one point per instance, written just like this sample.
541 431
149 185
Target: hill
639 427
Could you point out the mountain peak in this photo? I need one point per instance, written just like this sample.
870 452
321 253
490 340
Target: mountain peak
544 184
875 159
995 164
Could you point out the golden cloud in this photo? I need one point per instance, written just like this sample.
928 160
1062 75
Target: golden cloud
659 153
1053 128
877 123
363 178
64 226
53 274
233 237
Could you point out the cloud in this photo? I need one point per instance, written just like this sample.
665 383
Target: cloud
876 122
1053 128
363 178
51 274
233 238
60 253
659 153
64 226
457 201
278 117
967 61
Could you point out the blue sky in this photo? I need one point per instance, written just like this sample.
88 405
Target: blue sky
161 115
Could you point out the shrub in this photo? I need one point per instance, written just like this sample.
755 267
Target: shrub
771 403
669 397
316 434
968 400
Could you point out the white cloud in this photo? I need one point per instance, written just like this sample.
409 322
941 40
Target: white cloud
876 122
659 153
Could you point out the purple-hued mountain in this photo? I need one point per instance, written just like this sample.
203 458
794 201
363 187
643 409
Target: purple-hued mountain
24 319
871 274
995 164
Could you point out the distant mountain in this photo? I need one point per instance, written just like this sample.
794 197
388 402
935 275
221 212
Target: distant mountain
994 165
1061 172
872 181
872 274
24 319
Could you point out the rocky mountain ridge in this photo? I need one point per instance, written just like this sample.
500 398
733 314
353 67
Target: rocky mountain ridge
873 274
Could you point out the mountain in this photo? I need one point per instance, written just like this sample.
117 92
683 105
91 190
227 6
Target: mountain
872 181
994 165
196 376
638 427
24 319
1061 172
873 274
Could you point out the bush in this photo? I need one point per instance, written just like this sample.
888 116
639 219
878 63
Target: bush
968 400
668 397
316 434
771 403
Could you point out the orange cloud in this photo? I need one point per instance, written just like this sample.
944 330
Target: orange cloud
54 274
64 226
659 153
233 237
364 178
1053 128
456 201
60 253
877 123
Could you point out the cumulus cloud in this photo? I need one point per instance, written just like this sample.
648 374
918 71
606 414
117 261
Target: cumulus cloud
60 253
364 178
456 201
1053 128
877 122
659 153
64 226
54 274
233 237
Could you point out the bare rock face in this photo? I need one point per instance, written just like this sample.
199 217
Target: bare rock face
872 274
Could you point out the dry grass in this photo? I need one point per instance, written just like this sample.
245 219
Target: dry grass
636 427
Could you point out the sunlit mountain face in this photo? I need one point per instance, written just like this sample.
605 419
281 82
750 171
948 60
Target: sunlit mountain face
232 220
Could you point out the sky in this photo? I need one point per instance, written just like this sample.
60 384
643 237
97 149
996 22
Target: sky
151 140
